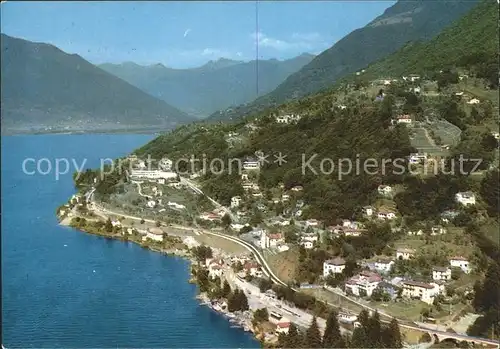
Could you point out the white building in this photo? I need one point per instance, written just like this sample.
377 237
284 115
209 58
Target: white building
282 327
416 158
404 119
420 290
165 164
176 205
312 223
308 241
368 210
466 198
384 190
333 266
438 230
151 203
384 266
441 273
287 119
271 240
460 262
235 201
404 253
383 214
474 101
251 164
363 284
155 234
215 269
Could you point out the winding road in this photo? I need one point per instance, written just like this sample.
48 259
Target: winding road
267 270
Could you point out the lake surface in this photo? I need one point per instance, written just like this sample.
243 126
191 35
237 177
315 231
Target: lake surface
63 288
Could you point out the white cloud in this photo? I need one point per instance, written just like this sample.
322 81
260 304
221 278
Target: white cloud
297 41
187 32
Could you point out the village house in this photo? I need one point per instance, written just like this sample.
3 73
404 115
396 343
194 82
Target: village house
404 253
215 268
287 119
282 327
384 190
268 240
404 119
235 201
155 234
297 188
363 284
448 216
247 186
384 265
438 230
466 198
474 101
285 197
176 205
347 318
415 232
460 262
308 241
252 268
251 164
420 290
496 135
385 214
441 273
151 203
176 185
312 223
209 216
368 210
165 164
116 223
333 266
416 158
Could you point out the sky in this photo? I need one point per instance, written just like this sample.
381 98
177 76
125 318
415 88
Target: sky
187 34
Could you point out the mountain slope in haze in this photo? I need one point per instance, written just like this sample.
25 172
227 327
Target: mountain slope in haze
470 40
42 85
403 22
214 86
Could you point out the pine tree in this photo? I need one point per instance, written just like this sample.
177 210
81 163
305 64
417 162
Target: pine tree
312 338
391 336
332 337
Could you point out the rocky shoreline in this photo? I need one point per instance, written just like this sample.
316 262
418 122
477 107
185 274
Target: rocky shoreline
237 319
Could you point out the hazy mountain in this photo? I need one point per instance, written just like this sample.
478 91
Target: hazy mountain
213 86
43 86
403 22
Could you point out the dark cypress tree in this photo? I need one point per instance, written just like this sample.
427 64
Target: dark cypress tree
358 339
312 338
364 318
243 302
293 337
374 332
332 338
226 289
108 226
391 335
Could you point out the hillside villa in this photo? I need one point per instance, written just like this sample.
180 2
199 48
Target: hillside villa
383 265
466 198
271 240
384 190
460 262
420 290
441 273
404 253
333 266
363 284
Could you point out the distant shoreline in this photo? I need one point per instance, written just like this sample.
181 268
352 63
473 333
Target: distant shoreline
147 130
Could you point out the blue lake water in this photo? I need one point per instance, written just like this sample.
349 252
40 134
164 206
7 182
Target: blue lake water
63 288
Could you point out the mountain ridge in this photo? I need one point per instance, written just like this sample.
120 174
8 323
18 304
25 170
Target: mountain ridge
45 86
363 46
215 85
